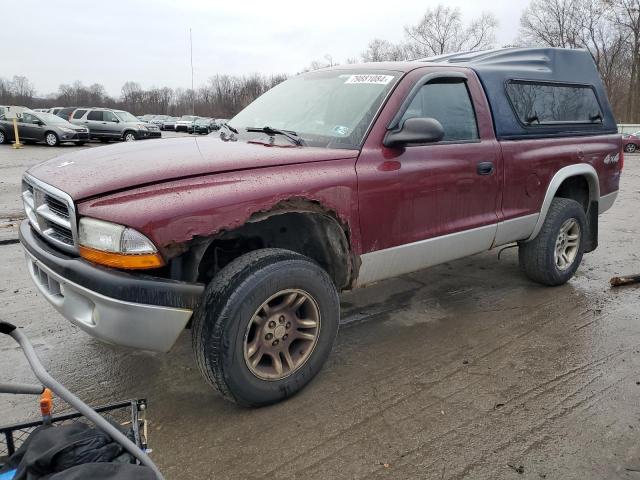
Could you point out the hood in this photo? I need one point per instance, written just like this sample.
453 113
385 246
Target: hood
95 171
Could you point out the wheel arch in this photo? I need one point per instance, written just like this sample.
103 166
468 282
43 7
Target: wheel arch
570 174
300 225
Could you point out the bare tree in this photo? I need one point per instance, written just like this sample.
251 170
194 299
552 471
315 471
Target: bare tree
441 30
380 50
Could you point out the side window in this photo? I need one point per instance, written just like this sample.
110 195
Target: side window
95 115
550 103
109 117
28 118
79 113
451 105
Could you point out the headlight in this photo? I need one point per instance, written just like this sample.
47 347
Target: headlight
116 246
142 127
67 130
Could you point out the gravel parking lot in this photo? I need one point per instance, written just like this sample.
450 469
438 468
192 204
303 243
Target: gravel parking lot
466 370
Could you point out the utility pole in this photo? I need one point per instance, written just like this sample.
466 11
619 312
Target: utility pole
193 92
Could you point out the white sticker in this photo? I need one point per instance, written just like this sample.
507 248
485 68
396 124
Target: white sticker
370 79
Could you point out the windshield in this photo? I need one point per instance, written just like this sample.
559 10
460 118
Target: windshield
126 116
51 118
330 109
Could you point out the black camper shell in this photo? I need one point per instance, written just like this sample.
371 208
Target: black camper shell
540 92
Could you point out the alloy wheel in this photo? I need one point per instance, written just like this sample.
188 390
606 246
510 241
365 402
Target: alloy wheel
567 244
129 137
282 334
51 139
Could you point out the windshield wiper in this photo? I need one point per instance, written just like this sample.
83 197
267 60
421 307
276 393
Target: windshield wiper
229 127
293 136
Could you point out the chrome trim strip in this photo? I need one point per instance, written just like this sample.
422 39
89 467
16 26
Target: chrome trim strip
136 325
560 176
46 213
411 257
607 201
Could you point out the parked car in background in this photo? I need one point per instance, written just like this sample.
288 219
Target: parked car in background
105 125
55 110
631 142
41 110
158 120
201 126
43 127
184 123
66 112
169 123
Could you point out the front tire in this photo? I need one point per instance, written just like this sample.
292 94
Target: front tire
553 257
265 326
3 138
130 137
51 139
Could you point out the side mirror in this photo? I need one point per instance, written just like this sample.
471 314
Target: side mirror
415 130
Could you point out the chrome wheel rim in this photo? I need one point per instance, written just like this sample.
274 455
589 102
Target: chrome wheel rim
631 148
282 334
1 137
129 137
51 139
567 244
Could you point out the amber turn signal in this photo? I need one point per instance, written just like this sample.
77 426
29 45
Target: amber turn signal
120 260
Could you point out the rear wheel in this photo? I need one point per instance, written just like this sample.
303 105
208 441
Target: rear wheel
265 326
631 148
3 137
553 257
51 139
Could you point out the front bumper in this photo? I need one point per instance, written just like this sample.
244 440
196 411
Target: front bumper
116 307
149 134
74 137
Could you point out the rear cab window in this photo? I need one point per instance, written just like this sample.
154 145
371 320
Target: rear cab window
537 103
450 104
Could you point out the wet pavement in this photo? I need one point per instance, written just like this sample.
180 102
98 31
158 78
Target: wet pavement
466 370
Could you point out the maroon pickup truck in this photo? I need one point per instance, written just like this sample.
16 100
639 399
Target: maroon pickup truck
330 181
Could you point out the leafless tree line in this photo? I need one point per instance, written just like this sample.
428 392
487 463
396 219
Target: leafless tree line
608 29
221 97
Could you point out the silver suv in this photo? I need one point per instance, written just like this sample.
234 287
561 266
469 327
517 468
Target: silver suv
105 124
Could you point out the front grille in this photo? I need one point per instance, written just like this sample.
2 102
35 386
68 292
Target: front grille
50 212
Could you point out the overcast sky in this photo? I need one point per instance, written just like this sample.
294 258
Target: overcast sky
110 42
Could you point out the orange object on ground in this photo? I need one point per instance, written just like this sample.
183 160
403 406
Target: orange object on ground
46 402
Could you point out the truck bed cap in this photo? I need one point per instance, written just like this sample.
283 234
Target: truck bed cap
546 65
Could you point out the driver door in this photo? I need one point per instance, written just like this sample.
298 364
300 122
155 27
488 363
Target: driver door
424 204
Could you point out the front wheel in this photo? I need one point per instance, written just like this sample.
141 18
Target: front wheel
130 137
3 137
51 139
553 257
631 148
265 326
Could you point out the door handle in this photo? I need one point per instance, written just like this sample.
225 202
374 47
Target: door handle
485 168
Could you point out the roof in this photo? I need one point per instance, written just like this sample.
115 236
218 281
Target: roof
496 67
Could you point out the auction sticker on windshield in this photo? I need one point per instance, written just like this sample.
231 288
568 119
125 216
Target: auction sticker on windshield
370 79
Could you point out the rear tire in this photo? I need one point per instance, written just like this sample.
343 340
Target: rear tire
553 257
3 138
251 305
51 139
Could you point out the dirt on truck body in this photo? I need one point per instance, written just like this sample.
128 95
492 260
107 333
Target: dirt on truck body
332 180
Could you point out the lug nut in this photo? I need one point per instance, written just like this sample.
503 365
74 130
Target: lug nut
281 319
272 324
269 336
275 342
286 335
288 325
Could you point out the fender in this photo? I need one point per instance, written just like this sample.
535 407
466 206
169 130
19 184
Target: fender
580 169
